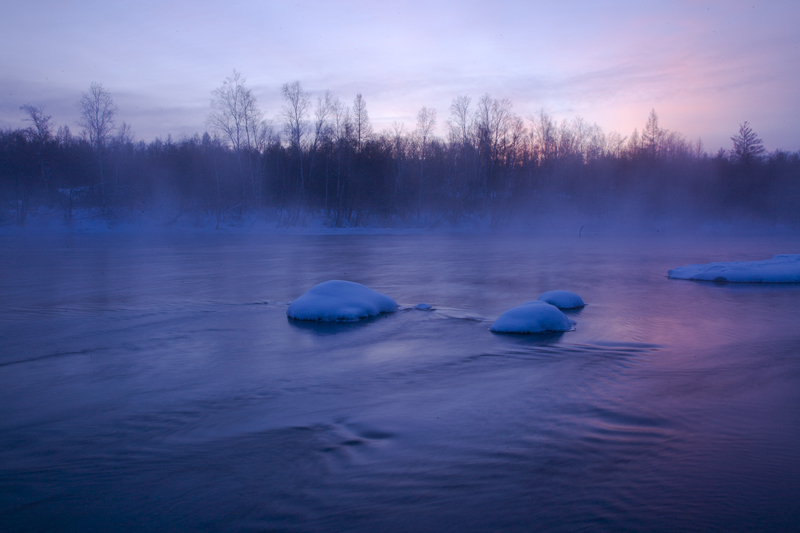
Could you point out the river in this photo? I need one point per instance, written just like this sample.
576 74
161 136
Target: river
152 382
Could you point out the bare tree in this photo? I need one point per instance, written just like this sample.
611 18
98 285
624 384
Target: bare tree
263 135
461 127
40 132
257 135
426 121
597 145
634 146
295 112
322 116
227 110
97 120
97 114
460 123
235 114
398 153
516 143
322 129
615 144
652 135
492 119
698 149
41 129
543 128
342 129
674 146
120 145
295 115
580 135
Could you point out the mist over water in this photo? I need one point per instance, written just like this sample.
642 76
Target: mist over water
152 381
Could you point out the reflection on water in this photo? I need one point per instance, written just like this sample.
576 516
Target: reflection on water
333 328
155 383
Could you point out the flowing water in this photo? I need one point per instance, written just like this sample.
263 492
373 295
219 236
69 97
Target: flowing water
154 383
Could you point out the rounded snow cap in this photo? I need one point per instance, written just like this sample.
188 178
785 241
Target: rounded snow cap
780 269
532 317
562 299
340 301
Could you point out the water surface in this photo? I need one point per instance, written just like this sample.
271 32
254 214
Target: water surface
153 382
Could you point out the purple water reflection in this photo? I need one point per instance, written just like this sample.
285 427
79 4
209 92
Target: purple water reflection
154 382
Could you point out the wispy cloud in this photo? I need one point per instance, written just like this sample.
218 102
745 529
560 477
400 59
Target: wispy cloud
705 66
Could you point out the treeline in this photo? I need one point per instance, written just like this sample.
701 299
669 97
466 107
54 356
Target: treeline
322 159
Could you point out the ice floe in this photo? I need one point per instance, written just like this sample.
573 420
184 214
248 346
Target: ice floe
779 269
562 299
338 300
532 317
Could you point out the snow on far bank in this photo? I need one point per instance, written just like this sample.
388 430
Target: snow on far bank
779 269
163 217
532 317
562 299
340 301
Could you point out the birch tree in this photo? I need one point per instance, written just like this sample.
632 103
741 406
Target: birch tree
97 120
236 116
295 116
426 121
40 132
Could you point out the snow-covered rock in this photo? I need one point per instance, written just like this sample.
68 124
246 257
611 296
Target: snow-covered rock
532 317
562 299
338 300
779 269
423 307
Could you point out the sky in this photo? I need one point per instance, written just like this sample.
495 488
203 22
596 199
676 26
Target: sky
704 66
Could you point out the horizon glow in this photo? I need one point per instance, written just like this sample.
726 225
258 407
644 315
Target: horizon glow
705 67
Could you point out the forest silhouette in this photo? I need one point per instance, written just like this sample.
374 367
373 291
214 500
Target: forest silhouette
321 159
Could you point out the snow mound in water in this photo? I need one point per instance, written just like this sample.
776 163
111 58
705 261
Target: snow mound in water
337 300
532 317
424 307
562 299
779 269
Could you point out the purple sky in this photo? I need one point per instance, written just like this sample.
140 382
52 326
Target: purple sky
705 67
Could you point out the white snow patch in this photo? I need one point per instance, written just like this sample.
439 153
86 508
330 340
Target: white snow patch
532 317
340 301
779 269
562 299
